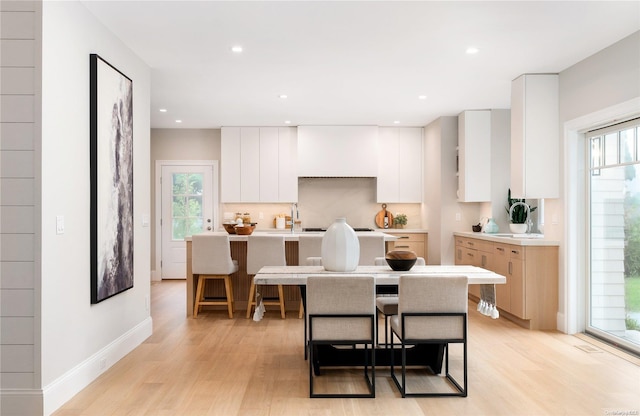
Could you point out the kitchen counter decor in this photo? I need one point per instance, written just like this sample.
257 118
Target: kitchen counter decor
340 247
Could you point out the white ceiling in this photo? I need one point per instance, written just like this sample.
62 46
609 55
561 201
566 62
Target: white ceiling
351 63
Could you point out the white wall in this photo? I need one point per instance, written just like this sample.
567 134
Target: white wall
593 92
77 336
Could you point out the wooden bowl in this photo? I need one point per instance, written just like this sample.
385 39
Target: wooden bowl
230 228
401 260
246 229
401 255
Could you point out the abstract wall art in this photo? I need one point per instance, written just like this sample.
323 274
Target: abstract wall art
111 167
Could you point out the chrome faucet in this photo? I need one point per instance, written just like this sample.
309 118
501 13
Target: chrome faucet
294 209
527 221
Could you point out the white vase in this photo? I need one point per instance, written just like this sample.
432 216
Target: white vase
518 228
340 247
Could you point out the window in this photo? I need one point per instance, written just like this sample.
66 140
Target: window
613 294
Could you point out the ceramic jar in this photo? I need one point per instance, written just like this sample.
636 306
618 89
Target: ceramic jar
340 247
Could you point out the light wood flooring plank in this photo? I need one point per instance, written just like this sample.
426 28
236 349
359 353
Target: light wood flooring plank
216 366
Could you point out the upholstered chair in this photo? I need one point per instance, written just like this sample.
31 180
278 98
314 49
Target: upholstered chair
341 311
431 310
387 305
211 260
265 250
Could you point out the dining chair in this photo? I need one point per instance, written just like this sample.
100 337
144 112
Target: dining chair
387 304
371 246
265 250
211 260
309 246
431 310
341 311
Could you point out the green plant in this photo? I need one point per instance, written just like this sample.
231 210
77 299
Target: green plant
519 215
400 219
631 323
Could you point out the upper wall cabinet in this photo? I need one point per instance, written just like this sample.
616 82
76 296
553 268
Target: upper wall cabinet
400 167
337 151
474 156
535 163
259 164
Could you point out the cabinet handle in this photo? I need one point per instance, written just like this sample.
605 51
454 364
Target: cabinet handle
470 243
510 268
401 246
514 252
469 254
499 248
484 260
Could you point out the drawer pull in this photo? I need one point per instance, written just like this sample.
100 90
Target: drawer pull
515 252
499 249
401 246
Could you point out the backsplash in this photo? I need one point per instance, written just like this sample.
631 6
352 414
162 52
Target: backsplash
322 200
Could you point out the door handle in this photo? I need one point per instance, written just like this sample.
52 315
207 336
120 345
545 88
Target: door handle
209 228
208 219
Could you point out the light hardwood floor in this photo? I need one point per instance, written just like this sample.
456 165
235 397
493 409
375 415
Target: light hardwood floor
216 366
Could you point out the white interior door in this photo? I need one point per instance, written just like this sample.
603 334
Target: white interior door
187 208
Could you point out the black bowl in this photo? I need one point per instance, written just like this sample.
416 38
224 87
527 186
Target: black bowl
401 265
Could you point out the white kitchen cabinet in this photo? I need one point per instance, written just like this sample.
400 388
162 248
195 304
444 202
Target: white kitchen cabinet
474 156
535 160
259 164
250 164
230 165
337 151
400 167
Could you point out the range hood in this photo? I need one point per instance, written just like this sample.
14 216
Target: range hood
337 151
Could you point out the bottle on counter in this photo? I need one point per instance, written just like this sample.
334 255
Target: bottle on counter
246 218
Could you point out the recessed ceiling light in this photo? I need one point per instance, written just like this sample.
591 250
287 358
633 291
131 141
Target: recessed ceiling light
472 50
287 122
178 121
283 96
236 49
396 122
422 97
163 110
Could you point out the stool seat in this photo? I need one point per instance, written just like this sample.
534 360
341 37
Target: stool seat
211 260
388 305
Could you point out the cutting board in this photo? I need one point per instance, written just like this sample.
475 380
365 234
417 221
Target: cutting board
380 217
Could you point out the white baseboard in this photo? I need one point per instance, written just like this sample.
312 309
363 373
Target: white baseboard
68 385
155 276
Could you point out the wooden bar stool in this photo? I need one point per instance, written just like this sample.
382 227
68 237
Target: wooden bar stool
265 250
211 260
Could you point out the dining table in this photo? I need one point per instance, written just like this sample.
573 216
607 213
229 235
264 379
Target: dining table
386 281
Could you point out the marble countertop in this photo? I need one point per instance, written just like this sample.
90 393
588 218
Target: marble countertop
289 236
506 238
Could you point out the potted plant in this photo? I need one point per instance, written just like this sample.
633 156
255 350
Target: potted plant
519 214
400 220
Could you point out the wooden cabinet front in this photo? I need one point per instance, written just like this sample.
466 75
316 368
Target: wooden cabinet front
416 242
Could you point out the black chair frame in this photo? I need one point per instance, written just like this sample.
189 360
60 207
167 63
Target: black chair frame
461 390
371 380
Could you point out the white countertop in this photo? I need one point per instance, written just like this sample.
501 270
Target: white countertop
289 236
507 239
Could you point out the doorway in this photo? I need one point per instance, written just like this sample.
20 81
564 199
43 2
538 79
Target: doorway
613 311
187 200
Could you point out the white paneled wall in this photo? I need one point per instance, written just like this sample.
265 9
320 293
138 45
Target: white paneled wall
19 52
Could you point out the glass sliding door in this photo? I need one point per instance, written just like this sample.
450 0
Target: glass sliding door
614 235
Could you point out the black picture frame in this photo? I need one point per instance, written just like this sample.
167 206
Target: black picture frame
111 174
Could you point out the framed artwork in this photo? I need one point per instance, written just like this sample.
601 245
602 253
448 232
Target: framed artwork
111 153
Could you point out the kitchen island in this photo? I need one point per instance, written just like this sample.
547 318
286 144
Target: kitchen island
241 280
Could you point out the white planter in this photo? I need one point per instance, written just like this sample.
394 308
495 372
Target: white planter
518 228
340 247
